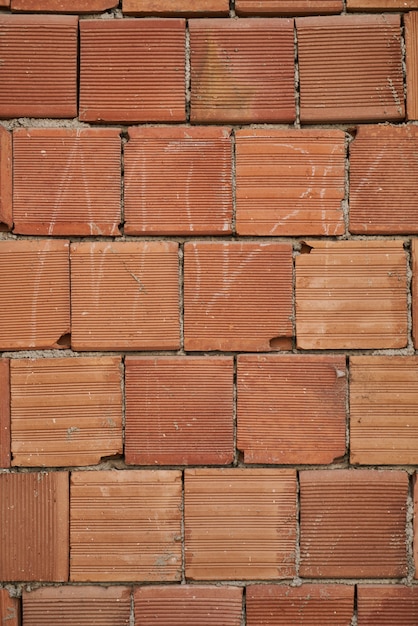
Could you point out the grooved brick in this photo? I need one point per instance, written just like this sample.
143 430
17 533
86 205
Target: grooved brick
178 181
287 7
9 609
6 219
63 6
387 605
179 410
353 523
66 182
411 58
381 5
175 7
4 413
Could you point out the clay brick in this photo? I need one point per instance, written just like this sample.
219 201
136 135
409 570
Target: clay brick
132 70
179 410
381 5
353 523
6 219
35 288
4 413
4 3
126 526
34 529
66 182
9 609
188 604
387 605
237 296
274 605
39 66
291 408
290 182
175 7
65 411
70 606
178 180
63 6
411 43
287 7
384 180
351 294
124 295
364 81
414 248
383 415
242 70
240 524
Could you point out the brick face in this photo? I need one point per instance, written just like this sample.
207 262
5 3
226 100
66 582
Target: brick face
6 219
387 604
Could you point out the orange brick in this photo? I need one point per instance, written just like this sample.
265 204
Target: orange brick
290 182
63 6
274 605
364 82
351 294
188 604
4 413
240 524
287 7
381 5
242 70
179 410
237 295
66 182
6 219
34 530
132 70
175 7
291 408
39 66
9 609
411 42
69 606
353 523
387 605
126 526
125 295
35 288
178 181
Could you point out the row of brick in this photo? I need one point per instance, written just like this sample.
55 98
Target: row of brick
241 70
239 524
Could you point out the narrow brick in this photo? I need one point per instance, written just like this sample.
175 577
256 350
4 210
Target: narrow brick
290 182
237 296
4 413
66 182
63 6
287 7
39 68
124 295
387 605
6 219
364 81
178 181
353 523
132 70
240 524
143 544
34 529
381 5
9 609
411 58
175 7
291 408
242 70
351 294
179 410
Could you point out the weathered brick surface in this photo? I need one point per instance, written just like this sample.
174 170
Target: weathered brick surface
387 605
9 609
6 183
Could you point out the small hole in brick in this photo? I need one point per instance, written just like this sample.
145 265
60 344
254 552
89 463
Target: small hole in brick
4 227
64 341
281 343
305 248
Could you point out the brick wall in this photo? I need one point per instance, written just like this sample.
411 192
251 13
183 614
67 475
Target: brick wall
208 279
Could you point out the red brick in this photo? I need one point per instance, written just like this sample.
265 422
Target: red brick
287 7
353 523
291 408
411 42
132 70
308 605
70 606
175 7
9 609
290 182
351 294
65 411
63 6
242 70
6 219
387 605
364 82
179 410
237 296
384 180
4 3
66 182
240 524
188 604
381 5
39 69
35 288
124 295
4 413
126 526
178 180
34 530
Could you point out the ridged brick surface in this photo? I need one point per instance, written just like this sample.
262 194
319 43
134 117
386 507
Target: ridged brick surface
240 524
175 7
287 7
178 181
39 65
6 219
4 413
132 70
350 68
179 410
63 6
290 182
381 5
34 529
411 41
242 70
387 605
9 609
353 523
